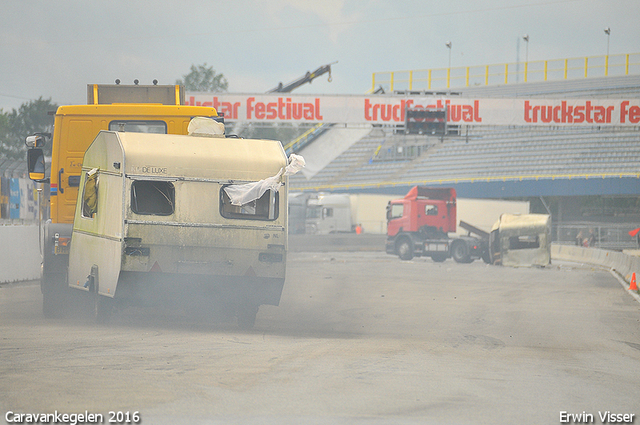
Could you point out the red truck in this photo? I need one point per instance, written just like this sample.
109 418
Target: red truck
419 225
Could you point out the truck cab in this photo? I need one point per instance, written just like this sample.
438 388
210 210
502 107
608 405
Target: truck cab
419 225
431 211
328 213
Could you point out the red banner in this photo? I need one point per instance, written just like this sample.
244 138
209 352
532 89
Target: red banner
386 109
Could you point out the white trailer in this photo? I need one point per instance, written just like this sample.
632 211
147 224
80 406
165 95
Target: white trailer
153 212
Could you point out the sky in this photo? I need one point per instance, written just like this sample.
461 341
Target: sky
53 49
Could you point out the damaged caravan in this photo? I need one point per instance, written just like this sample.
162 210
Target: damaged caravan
521 240
159 212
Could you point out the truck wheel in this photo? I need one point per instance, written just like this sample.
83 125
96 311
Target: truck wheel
439 257
50 303
404 249
53 295
460 253
247 316
486 256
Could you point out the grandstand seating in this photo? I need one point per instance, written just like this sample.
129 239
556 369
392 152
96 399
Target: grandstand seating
509 153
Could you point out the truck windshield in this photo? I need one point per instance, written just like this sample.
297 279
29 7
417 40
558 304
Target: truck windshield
396 211
157 127
313 211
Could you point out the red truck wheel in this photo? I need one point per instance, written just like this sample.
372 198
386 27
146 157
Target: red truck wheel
404 249
460 252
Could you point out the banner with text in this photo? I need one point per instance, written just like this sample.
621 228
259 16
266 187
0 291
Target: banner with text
381 109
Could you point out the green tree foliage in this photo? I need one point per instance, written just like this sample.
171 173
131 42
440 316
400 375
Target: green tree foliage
15 126
4 130
204 79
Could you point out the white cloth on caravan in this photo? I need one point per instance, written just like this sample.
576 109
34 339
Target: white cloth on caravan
241 194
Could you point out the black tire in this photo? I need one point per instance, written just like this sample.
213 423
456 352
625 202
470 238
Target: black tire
439 257
486 256
404 248
247 316
51 305
53 295
460 252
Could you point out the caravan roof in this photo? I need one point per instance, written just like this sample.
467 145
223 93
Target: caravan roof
517 222
169 155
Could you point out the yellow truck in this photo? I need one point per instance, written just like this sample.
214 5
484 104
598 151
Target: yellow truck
175 213
154 109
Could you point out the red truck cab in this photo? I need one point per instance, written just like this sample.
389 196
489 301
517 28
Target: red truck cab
431 211
419 225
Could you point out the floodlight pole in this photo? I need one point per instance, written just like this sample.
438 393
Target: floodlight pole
607 31
448 44
526 56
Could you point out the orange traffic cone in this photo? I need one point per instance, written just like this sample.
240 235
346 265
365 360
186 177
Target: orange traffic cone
634 285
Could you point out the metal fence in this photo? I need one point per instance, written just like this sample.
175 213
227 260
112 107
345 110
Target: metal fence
605 236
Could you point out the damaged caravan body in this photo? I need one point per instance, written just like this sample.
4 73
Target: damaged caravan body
521 240
153 213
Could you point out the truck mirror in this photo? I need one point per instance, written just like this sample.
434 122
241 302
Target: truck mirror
35 141
35 165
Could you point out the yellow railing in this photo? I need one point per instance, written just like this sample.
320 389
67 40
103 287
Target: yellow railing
303 136
508 73
452 180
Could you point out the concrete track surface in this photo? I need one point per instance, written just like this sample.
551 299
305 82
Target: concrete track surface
359 337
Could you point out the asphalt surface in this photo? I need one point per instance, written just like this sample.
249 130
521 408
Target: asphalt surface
359 337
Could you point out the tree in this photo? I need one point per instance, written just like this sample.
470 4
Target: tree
15 126
4 129
205 79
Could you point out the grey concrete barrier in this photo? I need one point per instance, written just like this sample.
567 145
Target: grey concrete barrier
19 253
623 264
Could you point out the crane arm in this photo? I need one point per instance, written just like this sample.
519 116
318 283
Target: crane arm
307 78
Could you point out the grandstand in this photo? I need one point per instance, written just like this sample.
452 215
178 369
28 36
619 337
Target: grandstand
484 156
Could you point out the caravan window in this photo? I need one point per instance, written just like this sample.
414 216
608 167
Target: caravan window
524 242
90 194
152 197
263 208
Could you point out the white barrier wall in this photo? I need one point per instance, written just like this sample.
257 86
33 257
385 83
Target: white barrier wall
623 264
19 253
